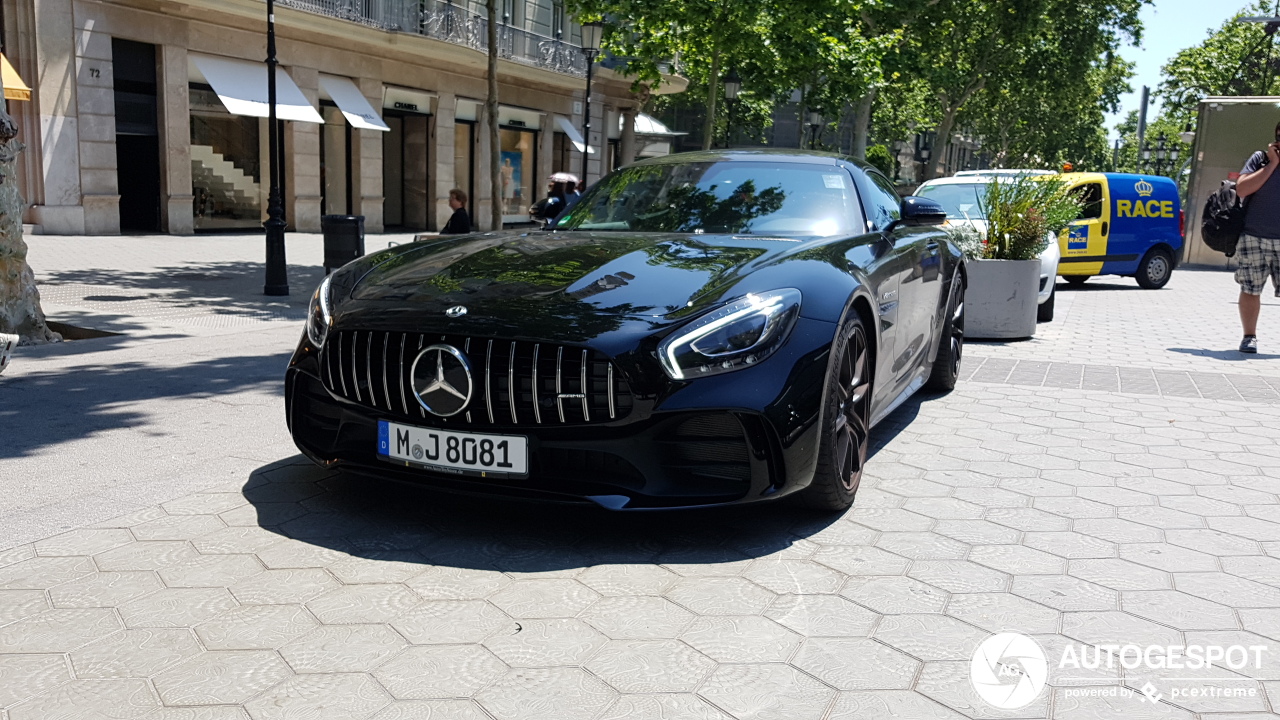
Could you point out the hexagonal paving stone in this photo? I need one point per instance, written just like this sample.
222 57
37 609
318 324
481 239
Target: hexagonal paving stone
1003 612
634 666
252 627
383 566
235 540
336 695
205 503
1169 558
1077 707
977 532
637 618
176 607
1120 574
889 519
457 583
769 691
546 694
860 560
822 616
704 561
1212 541
944 508
451 621
619 580
1018 560
85 541
1114 627
18 604
294 554
355 604
720 595
663 707
1028 519
1227 589
153 555
135 653
342 648
889 705
1070 544
1264 621
92 699
1117 531
432 710
221 677
922 545
58 630
1179 610
1263 661
547 598
856 664
281 587
44 572
746 638
948 683
26 676
211 571
104 589
1251 528
444 671
930 637
177 527
959 576
784 576
895 595
547 643
1063 592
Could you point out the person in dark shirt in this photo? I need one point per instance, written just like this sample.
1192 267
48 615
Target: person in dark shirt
460 221
549 207
1258 252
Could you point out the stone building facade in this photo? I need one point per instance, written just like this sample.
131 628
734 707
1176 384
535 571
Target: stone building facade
145 113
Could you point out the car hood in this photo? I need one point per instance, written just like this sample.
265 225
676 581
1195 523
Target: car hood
530 280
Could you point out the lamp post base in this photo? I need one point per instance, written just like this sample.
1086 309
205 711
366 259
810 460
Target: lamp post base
277 281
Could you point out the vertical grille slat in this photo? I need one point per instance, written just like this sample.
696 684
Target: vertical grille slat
351 367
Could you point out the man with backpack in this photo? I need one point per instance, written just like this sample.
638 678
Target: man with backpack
1258 250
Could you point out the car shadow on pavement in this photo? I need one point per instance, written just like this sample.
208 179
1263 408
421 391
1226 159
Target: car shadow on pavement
1232 355
224 288
389 521
46 408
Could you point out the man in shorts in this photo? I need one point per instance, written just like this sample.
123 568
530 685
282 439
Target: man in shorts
1258 252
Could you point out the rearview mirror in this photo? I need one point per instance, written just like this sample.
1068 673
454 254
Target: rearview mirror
918 211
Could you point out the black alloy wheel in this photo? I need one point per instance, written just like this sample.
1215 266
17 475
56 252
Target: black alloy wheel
946 367
846 421
1155 269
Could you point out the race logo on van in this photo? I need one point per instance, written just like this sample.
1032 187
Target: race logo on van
1143 188
1078 237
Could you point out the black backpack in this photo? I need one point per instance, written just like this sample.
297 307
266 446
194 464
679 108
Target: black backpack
1223 219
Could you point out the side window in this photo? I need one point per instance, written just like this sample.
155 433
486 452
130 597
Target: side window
1091 196
883 205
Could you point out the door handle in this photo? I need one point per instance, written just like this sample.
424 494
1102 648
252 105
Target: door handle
1104 227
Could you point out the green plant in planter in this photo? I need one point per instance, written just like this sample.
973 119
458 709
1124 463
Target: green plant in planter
1025 214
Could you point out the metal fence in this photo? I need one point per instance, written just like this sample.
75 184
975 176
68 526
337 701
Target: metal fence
450 23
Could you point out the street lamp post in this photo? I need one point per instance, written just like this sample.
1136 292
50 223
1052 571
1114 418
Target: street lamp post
591 32
277 281
732 86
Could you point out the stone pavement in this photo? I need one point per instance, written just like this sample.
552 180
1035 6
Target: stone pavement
1029 500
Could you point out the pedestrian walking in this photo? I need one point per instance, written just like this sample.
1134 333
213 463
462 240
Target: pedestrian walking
460 221
1258 252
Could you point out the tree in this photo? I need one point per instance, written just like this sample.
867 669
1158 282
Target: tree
20 312
491 122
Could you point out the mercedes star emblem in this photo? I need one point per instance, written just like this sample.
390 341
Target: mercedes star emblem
456 311
442 380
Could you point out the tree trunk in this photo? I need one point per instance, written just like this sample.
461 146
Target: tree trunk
940 144
20 312
862 123
713 90
491 121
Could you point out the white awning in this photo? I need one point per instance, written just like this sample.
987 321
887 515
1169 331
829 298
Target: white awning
575 137
353 104
242 87
649 126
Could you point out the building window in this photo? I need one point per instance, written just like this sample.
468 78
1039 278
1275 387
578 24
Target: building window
518 167
226 171
557 18
464 157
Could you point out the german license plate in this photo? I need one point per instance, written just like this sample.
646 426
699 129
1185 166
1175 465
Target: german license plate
453 452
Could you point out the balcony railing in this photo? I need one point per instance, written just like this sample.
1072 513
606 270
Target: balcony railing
450 23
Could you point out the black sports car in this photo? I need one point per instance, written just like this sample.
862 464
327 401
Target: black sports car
700 329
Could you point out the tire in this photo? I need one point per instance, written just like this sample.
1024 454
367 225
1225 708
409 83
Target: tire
946 366
1044 311
1075 280
846 420
1155 269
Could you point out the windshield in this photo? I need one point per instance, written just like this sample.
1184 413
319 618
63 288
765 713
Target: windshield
961 201
773 198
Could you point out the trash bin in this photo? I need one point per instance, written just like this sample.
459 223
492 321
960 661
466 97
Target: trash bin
343 239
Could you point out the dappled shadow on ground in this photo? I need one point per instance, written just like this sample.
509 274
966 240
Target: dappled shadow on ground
383 520
47 408
217 288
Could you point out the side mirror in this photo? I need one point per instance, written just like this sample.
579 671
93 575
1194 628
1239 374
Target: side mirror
920 211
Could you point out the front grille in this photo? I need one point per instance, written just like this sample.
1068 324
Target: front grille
553 384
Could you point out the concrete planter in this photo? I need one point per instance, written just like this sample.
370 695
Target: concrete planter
7 344
1000 302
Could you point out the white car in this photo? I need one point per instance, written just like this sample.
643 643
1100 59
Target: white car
959 196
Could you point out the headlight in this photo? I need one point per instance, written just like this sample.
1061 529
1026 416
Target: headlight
318 317
738 335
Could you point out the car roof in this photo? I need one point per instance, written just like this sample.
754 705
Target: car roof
810 157
1002 172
